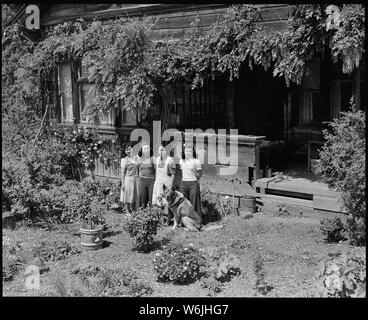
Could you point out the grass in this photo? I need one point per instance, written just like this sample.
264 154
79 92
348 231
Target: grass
279 257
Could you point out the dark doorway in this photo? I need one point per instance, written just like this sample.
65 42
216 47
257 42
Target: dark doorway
259 103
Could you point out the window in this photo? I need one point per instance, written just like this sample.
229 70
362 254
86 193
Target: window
203 107
128 117
86 98
341 93
66 96
310 107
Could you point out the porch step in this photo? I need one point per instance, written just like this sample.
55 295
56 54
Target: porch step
317 193
278 200
328 203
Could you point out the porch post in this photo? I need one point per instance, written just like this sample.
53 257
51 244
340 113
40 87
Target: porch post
230 104
357 88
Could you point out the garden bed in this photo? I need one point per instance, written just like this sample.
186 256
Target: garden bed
288 250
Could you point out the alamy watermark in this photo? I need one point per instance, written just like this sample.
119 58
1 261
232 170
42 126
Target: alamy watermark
33 17
33 278
215 153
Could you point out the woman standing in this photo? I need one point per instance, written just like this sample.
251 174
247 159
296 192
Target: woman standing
129 177
146 175
165 175
191 173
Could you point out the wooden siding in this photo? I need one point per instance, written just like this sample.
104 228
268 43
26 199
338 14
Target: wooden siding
172 18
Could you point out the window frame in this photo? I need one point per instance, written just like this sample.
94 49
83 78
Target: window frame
81 81
61 94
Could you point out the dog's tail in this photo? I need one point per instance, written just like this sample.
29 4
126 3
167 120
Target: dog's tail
212 227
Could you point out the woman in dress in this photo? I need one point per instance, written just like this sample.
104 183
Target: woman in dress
130 180
165 175
191 173
146 175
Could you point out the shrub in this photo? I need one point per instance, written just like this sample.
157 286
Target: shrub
343 276
88 210
111 282
29 198
261 285
139 288
332 229
355 229
54 251
212 285
179 264
106 191
46 164
210 206
98 281
12 260
281 211
343 163
142 227
17 191
222 265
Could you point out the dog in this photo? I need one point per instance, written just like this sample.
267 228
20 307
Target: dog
180 208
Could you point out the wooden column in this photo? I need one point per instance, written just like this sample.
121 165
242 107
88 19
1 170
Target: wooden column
325 86
357 88
230 103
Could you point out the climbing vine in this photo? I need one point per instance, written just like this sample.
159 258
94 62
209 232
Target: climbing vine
127 68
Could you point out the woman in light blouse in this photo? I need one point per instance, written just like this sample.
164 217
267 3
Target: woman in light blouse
130 180
191 173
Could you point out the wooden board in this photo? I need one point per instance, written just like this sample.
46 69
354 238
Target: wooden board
299 185
327 203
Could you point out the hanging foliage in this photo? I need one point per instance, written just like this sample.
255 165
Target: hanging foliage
127 68
347 43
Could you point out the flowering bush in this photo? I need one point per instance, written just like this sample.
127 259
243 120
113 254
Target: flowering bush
76 147
343 276
142 227
89 146
332 229
179 264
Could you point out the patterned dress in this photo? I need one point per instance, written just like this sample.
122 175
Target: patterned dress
130 194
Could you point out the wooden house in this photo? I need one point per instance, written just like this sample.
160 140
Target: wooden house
270 117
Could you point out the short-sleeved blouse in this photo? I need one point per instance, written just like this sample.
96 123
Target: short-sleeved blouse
129 168
189 169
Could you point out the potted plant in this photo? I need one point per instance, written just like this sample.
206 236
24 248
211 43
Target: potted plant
93 224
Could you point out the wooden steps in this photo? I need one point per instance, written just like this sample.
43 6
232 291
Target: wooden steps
308 193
